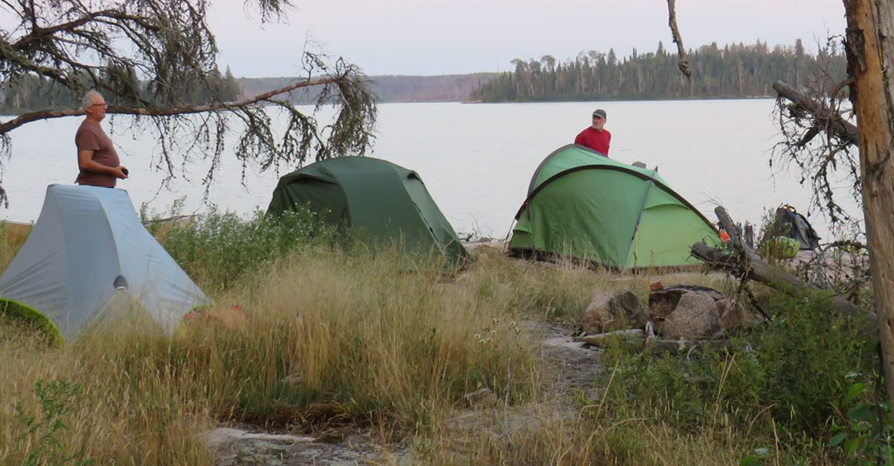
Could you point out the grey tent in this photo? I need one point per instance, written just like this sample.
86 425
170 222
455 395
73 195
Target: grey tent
87 246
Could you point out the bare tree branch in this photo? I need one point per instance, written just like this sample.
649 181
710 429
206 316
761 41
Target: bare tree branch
827 118
169 111
745 263
678 39
818 139
156 61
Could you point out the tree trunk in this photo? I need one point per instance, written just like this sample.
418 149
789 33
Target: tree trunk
870 53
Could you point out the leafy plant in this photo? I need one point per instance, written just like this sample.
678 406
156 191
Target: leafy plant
864 429
43 430
219 248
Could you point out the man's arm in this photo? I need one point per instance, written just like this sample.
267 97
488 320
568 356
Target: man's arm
86 162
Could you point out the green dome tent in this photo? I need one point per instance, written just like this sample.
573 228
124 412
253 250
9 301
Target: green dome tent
585 205
384 202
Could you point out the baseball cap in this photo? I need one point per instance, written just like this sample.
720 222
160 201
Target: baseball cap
600 113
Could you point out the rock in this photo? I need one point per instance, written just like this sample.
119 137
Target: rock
632 337
663 301
734 316
627 303
655 286
598 314
695 317
222 436
613 311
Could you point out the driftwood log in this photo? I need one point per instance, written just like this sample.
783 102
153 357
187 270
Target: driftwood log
746 264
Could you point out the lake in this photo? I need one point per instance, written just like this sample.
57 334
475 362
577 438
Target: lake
475 159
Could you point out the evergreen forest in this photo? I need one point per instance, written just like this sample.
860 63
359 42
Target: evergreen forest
733 71
33 93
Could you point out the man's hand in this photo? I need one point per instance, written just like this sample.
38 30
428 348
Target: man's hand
119 172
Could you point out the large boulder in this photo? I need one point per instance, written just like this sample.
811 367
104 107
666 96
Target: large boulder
613 311
695 317
664 300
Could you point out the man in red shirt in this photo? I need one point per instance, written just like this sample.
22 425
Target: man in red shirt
596 137
98 161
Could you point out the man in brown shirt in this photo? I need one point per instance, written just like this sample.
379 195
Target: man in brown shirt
97 159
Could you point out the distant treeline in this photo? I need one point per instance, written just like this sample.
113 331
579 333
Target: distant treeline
732 71
34 93
445 88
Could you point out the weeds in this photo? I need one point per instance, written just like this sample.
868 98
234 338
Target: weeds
789 380
217 249
41 438
334 335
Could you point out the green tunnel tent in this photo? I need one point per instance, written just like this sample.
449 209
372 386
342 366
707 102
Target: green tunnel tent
381 202
584 205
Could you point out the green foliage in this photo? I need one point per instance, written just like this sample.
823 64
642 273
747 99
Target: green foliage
42 430
219 248
864 432
804 376
736 70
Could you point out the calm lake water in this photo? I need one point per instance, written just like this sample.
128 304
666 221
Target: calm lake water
476 160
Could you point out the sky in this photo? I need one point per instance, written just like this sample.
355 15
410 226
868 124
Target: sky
431 37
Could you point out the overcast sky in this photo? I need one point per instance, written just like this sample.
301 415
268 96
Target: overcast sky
429 37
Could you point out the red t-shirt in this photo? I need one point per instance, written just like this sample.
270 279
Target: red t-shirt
596 140
90 136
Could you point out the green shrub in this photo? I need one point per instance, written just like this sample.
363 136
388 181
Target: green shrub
217 249
792 375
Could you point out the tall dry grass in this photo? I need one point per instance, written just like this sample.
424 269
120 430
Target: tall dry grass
12 237
332 336
374 342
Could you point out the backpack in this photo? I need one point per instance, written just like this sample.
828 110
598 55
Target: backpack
791 224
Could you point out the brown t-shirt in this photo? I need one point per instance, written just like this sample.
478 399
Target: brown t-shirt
90 136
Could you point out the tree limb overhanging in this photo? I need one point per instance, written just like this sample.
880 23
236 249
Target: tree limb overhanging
160 111
678 39
826 119
149 57
819 140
